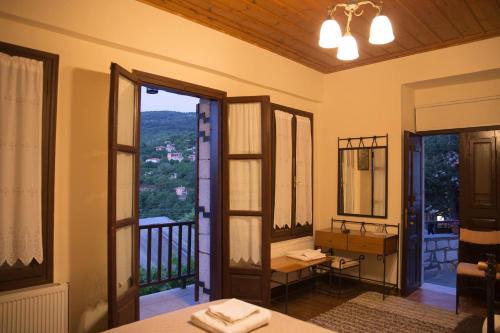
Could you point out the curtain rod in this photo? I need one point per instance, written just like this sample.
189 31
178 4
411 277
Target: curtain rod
364 137
362 228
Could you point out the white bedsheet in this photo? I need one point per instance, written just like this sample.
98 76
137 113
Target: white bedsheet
179 321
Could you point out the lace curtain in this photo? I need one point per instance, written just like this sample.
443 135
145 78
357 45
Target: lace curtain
283 174
246 240
379 181
21 99
245 183
303 153
349 164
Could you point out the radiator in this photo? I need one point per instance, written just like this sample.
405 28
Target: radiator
41 309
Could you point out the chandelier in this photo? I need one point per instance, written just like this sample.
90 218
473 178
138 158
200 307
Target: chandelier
331 36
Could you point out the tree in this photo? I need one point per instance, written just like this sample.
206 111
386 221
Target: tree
441 163
158 186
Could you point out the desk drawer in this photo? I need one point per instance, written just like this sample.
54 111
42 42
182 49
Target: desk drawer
358 243
333 240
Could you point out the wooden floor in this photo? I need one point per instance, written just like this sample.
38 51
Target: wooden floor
447 301
308 303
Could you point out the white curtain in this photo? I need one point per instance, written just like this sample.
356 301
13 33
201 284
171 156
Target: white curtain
349 179
21 100
304 171
124 255
124 185
379 182
244 126
245 243
245 183
283 178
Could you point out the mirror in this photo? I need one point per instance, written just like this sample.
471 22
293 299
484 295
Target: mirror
362 187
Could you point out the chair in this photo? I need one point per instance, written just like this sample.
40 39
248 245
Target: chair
491 269
471 270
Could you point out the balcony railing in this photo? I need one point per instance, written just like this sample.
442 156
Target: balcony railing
173 240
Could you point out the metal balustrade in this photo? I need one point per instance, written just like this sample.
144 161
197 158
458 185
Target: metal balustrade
166 235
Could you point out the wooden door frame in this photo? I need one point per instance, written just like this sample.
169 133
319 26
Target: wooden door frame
404 250
186 88
405 165
39 273
459 130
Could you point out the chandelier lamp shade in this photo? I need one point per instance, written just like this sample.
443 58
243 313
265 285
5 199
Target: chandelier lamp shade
331 36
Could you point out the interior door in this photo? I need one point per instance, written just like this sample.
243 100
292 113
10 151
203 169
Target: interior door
123 210
412 213
246 199
479 189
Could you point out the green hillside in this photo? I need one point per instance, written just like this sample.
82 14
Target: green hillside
159 179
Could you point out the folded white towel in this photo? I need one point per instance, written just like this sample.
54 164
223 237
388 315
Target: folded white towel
233 310
306 255
214 325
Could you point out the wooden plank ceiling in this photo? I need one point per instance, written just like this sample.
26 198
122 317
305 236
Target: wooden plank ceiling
291 27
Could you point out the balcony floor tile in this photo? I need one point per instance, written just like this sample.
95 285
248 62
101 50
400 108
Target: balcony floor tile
169 300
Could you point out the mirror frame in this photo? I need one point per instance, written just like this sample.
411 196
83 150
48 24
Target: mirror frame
361 144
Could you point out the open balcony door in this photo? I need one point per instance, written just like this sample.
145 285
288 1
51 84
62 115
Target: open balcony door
412 213
246 199
123 210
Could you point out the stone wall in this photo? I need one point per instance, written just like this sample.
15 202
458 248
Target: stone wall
440 252
203 208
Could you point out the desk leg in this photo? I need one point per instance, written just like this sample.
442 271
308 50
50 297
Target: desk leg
339 291
314 277
286 293
383 294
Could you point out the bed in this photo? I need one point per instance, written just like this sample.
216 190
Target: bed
178 322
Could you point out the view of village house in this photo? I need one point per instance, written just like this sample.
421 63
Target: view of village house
172 155
167 185
168 156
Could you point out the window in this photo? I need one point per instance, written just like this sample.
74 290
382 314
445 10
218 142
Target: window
19 275
292 184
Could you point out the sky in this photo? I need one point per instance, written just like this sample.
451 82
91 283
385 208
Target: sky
167 101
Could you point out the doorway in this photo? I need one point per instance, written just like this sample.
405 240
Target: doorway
163 206
221 217
477 186
441 211
168 200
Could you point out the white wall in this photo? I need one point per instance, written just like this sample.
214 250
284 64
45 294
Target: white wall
89 35
458 105
378 99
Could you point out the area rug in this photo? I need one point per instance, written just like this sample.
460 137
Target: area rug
369 313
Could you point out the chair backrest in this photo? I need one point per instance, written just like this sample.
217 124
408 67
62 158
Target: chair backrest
480 237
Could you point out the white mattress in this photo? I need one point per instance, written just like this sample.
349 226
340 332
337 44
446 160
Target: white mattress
178 321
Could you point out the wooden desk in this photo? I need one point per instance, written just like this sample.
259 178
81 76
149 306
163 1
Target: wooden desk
356 241
380 244
287 265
